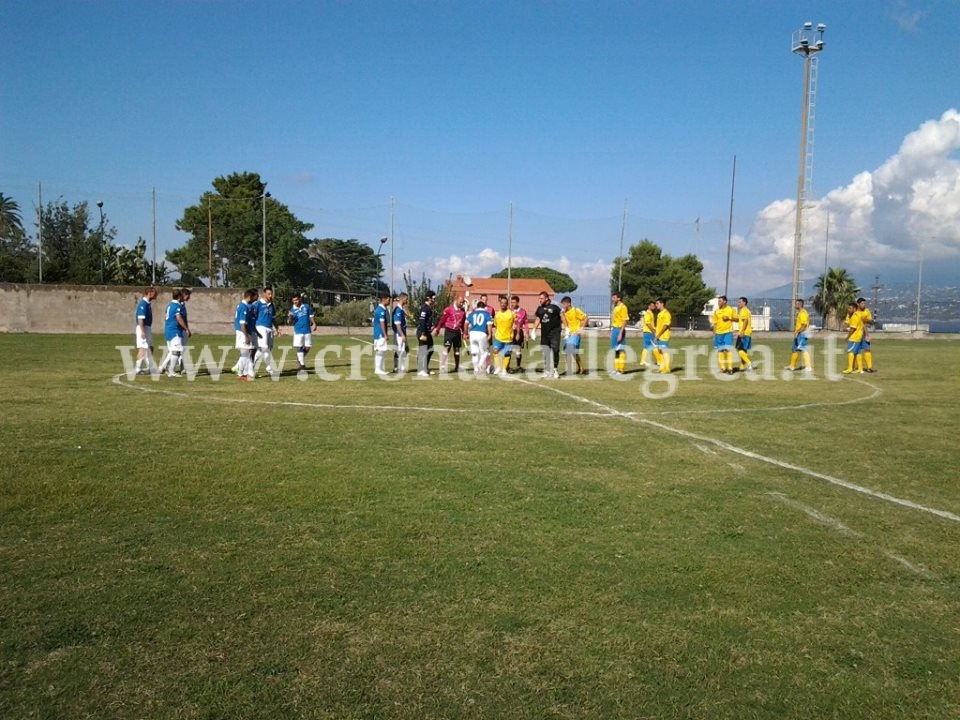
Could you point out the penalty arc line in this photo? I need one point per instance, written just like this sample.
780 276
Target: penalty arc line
698 438
118 380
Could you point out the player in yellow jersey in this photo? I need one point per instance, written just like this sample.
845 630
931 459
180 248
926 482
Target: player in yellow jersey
744 332
867 317
575 321
648 321
661 336
800 339
502 336
853 324
618 334
722 322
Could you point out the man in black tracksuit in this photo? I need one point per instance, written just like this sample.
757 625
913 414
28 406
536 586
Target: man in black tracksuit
425 335
550 324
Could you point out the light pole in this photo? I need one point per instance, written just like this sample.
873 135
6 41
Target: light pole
102 268
383 241
806 42
263 205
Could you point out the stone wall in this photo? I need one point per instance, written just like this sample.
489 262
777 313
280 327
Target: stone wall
105 309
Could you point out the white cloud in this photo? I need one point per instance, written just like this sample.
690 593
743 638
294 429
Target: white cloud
591 277
877 222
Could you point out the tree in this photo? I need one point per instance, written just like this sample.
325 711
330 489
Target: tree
343 266
836 288
647 273
17 255
235 212
559 281
129 266
72 251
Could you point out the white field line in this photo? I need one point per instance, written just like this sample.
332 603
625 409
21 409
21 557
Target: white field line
696 437
776 408
816 515
912 567
705 450
839 527
601 411
119 380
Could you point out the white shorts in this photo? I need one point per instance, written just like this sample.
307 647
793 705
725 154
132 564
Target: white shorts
243 342
144 338
175 345
265 338
302 340
479 343
401 345
380 345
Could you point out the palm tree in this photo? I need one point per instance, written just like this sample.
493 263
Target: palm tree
836 288
11 224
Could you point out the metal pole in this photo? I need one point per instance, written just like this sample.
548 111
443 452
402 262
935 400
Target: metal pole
801 180
623 230
733 182
263 203
153 272
209 242
509 247
826 249
393 202
102 268
919 282
40 231
807 42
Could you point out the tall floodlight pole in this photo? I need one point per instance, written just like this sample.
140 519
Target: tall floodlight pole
733 183
807 42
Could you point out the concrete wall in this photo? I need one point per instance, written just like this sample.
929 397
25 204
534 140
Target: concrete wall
107 309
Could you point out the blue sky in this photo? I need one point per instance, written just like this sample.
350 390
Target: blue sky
564 111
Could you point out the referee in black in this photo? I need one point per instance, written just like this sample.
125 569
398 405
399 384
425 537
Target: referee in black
425 335
550 324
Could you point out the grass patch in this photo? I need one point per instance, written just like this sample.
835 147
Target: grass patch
203 550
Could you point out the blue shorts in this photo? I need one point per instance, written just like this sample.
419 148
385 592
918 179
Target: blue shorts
865 345
571 344
648 343
614 334
661 344
723 341
800 342
503 345
744 342
854 347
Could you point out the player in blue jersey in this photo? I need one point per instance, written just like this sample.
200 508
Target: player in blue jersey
174 331
381 329
479 321
399 318
266 329
185 330
245 329
144 332
301 315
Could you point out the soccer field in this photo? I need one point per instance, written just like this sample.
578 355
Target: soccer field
492 548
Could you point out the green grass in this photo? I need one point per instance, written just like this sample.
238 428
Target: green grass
202 550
